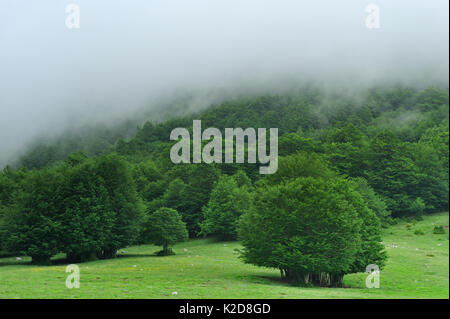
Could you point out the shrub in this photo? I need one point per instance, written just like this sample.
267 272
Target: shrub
165 227
438 230
391 221
417 208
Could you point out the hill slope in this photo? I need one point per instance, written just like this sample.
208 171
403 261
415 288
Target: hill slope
418 267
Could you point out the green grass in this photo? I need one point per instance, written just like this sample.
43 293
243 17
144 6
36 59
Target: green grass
418 267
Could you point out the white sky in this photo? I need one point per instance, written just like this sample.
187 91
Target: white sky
128 52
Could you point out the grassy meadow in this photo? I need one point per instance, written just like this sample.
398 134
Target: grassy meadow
418 267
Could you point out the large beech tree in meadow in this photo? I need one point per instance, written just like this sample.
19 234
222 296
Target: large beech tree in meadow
164 227
312 225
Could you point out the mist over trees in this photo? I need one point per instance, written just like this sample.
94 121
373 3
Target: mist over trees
86 116
131 57
345 170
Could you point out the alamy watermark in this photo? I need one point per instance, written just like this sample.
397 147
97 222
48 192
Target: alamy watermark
373 279
73 280
373 19
214 152
73 18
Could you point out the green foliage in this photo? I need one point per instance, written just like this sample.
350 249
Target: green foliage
92 140
432 162
300 164
290 226
242 179
417 207
298 210
32 221
227 203
85 208
291 143
177 197
391 143
164 227
124 200
310 229
431 98
371 250
87 216
438 230
149 180
8 194
393 174
374 201
189 192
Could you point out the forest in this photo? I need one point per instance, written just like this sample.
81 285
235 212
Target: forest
349 165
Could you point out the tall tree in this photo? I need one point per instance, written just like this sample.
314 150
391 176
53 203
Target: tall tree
124 200
226 204
32 222
88 218
164 227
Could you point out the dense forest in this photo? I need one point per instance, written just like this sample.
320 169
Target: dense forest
363 161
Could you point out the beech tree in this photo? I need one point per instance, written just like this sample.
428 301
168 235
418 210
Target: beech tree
227 203
164 227
88 218
32 223
125 202
311 224
307 228
189 190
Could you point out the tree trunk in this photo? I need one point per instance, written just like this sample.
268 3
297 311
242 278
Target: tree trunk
336 280
306 278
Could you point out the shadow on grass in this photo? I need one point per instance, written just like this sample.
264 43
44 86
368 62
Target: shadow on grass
56 261
53 262
138 255
271 280
15 263
65 261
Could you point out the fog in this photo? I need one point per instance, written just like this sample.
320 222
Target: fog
128 55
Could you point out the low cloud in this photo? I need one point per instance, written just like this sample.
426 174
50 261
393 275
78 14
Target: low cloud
128 55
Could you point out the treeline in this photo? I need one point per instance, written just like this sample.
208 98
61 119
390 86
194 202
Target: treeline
90 140
85 208
352 161
396 139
